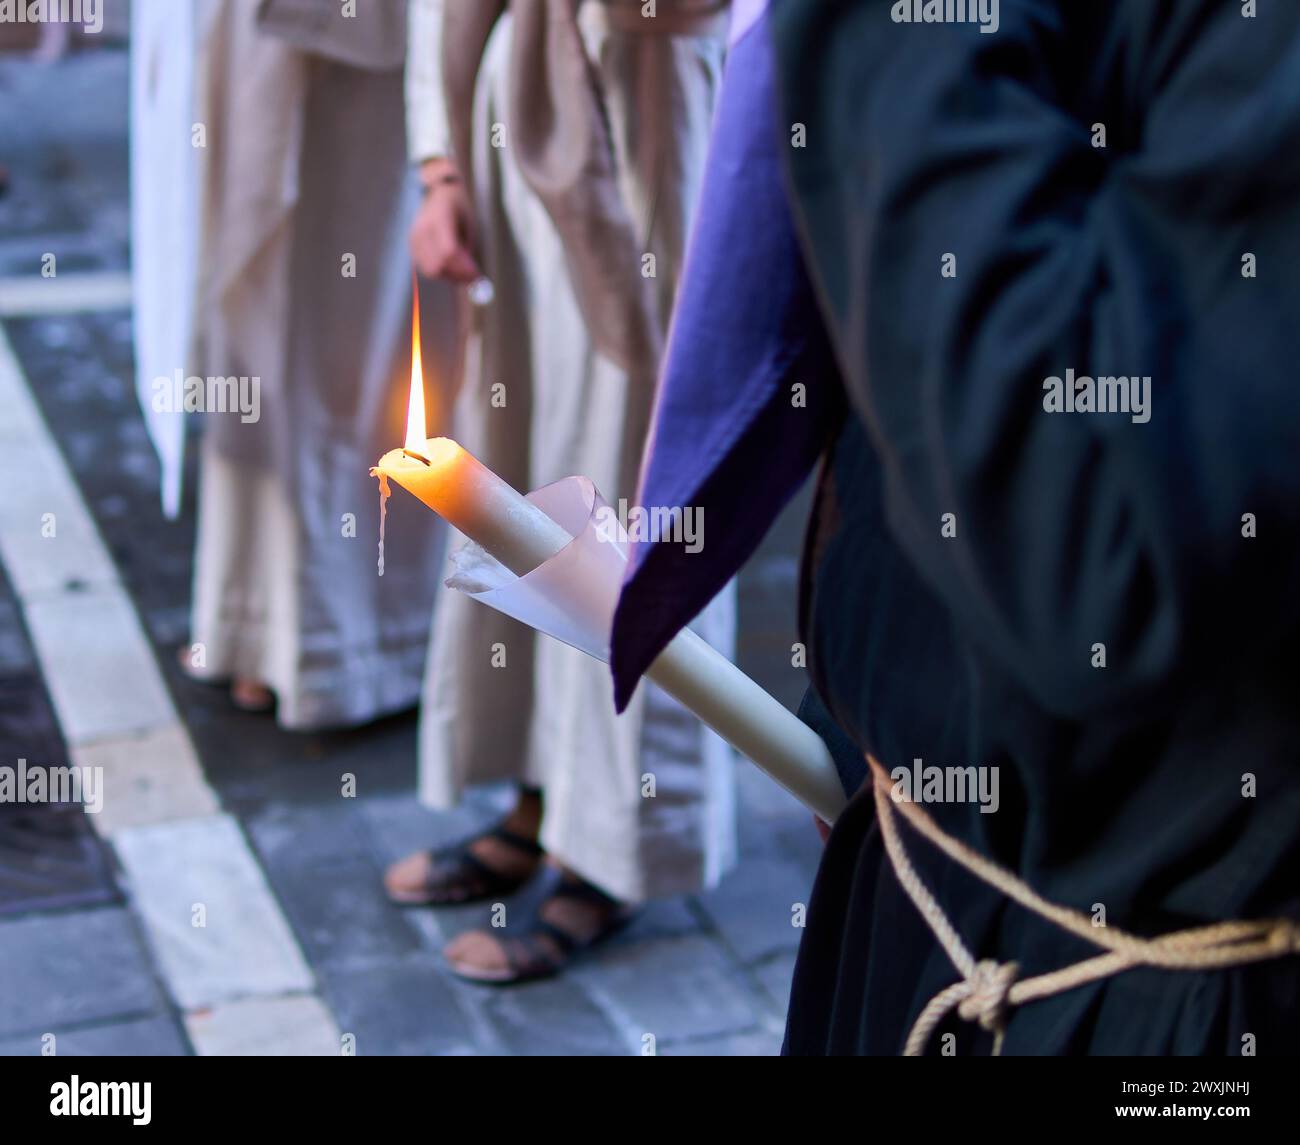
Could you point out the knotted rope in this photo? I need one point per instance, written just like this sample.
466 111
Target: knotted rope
989 989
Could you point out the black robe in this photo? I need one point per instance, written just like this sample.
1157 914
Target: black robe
1163 787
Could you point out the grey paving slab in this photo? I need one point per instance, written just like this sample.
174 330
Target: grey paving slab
398 1007
92 104
675 989
753 907
775 975
293 834
552 1017
665 918
158 1036
50 859
340 915
15 652
750 1044
440 926
49 856
71 968
64 127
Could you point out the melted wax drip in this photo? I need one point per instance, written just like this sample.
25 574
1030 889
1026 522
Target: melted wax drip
384 494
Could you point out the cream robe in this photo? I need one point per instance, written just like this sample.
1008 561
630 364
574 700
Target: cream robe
539 403
306 172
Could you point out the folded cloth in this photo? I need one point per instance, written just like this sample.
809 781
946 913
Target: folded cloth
560 138
749 392
373 37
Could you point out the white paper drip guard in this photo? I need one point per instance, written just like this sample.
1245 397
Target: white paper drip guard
570 597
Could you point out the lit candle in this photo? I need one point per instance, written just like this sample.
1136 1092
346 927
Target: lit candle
514 531
473 499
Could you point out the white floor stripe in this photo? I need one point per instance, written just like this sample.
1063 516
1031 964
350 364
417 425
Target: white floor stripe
296 1025
47 537
99 667
178 851
151 777
73 293
215 926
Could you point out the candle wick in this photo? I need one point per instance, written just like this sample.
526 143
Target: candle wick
417 456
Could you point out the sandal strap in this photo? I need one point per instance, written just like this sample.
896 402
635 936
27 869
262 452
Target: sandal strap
528 955
529 959
510 839
582 891
544 948
585 892
567 942
491 879
487 879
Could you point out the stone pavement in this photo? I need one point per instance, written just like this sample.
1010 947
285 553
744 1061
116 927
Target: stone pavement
220 812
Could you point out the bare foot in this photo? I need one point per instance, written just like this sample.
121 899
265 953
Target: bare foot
251 696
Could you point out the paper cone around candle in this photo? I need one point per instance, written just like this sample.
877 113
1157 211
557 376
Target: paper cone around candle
571 596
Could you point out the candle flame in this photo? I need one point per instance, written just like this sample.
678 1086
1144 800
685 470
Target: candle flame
416 428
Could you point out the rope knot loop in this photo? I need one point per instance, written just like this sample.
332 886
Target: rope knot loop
985 991
987 1003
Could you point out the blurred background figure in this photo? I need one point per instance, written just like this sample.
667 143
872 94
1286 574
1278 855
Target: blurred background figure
305 284
560 147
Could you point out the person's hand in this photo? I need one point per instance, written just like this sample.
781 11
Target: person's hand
442 234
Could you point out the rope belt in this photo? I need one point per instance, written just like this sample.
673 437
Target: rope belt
988 989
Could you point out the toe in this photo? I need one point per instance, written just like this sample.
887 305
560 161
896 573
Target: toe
477 951
409 875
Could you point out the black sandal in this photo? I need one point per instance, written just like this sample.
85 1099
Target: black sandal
544 949
455 876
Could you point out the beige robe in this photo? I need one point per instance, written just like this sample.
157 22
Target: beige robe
641 804
306 284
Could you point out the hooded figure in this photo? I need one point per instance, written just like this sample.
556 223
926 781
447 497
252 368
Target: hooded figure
1083 606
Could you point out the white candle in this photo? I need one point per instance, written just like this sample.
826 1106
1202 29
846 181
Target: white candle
470 497
473 499
753 721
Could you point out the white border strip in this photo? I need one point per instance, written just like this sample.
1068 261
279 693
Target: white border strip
73 293
172 841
